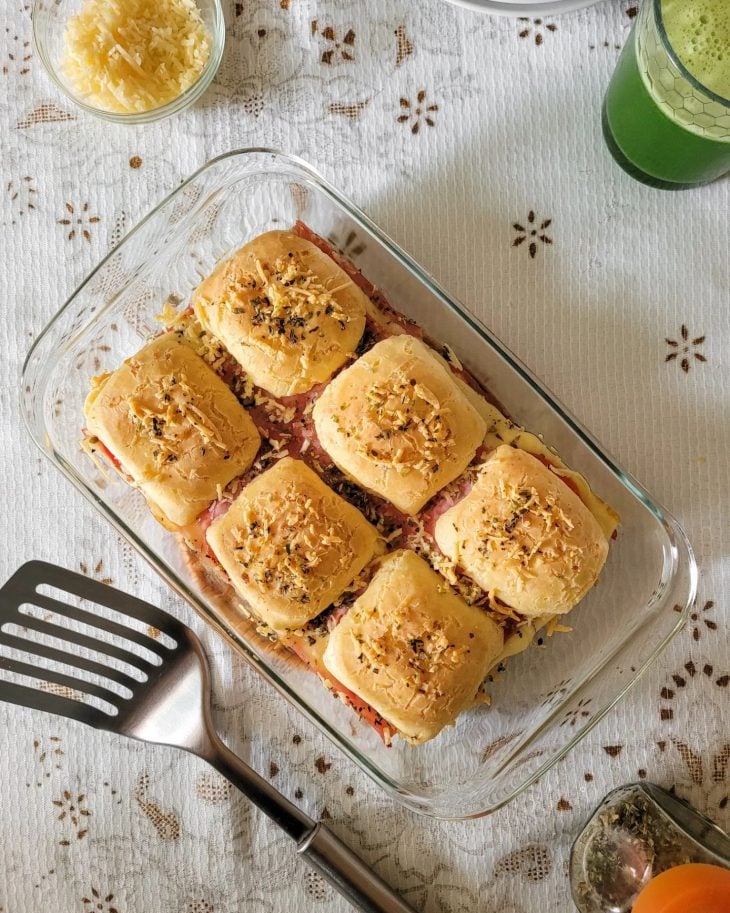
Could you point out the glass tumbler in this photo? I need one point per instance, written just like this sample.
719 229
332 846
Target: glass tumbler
660 122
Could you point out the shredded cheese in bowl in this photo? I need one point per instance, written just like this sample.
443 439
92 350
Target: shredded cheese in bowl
132 56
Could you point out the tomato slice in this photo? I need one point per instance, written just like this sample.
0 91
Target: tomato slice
366 713
108 455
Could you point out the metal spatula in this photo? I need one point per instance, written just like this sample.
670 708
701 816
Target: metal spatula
163 696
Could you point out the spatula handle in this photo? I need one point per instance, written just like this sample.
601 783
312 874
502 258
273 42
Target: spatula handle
348 874
325 852
264 796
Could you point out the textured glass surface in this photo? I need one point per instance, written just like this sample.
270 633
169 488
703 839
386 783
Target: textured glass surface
548 698
674 90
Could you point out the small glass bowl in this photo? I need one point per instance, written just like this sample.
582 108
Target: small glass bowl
49 25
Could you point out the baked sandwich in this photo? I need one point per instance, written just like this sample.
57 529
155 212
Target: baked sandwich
397 423
412 649
285 311
173 427
290 545
524 536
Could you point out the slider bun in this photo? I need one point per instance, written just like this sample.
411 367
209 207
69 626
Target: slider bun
524 536
397 423
285 311
412 649
175 427
290 545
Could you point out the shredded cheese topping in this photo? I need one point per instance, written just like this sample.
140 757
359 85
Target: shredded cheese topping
530 526
285 303
168 420
413 432
281 544
130 56
418 660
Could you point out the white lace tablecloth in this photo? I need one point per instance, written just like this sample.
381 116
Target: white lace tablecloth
476 143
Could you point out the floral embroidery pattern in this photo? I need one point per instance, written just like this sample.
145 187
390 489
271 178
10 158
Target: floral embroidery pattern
336 49
684 349
497 745
719 762
98 903
20 56
606 44
89 355
200 906
680 680
73 809
48 756
578 713
556 691
45 114
166 824
352 110
22 194
212 788
403 46
533 861
613 751
414 113
316 887
78 221
98 568
349 246
697 619
531 232
535 27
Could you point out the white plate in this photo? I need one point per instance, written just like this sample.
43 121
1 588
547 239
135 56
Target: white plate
522 7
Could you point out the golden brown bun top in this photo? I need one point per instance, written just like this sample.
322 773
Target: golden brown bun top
397 423
174 426
286 311
290 544
524 536
412 649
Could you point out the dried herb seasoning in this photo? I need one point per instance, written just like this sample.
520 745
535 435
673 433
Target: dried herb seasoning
638 832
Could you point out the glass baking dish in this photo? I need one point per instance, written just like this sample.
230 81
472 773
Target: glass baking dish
547 699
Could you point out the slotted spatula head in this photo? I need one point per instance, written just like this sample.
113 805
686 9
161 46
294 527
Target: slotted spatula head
81 649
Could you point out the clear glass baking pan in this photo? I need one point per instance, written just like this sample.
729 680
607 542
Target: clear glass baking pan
547 699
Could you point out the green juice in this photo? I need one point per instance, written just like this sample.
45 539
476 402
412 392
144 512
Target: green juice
660 125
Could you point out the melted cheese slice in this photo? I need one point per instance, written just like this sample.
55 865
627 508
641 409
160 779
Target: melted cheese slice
500 430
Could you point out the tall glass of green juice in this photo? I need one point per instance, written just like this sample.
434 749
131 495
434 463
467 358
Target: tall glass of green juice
666 115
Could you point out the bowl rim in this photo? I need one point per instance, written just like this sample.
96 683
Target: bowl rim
528 8
175 105
673 530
